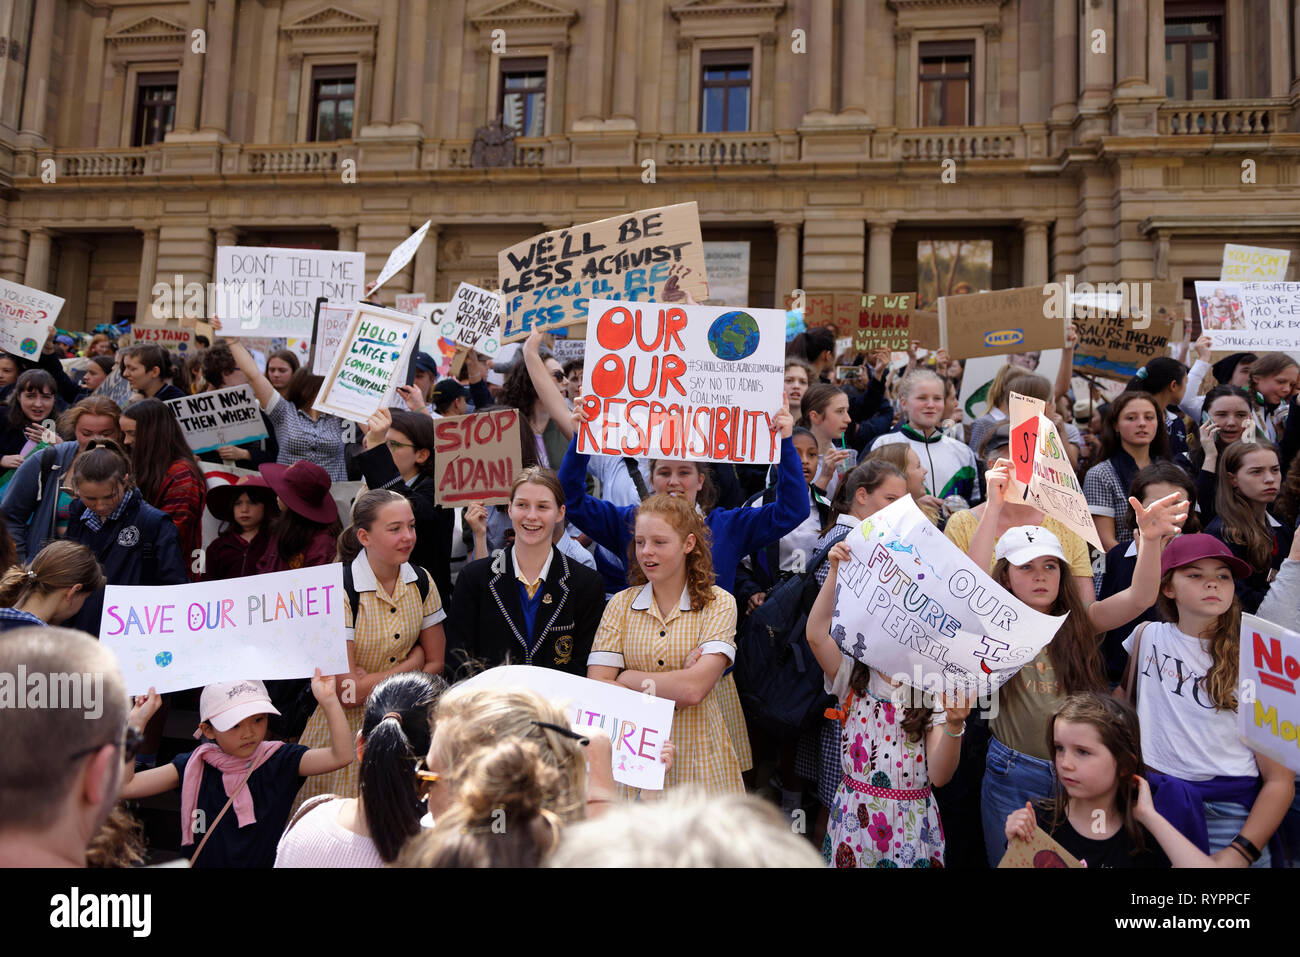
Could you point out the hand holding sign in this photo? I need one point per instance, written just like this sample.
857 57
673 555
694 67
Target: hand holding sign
997 479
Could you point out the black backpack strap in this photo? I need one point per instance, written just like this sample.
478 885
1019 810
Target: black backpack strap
422 582
350 589
634 472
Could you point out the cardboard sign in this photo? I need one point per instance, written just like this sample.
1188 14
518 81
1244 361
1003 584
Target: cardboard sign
702 383
26 315
281 625
222 417
1115 345
1250 316
399 257
566 348
653 255
998 323
332 319
273 292
884 322
409 303
1041 852
477 456
819 310
473 320
1253 263
1270 668
915 607
637 724
1043 476
172 338
363 373
727 266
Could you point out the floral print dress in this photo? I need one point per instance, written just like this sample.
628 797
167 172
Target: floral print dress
884 814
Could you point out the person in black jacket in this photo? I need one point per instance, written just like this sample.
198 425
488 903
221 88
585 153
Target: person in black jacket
530 604
399 455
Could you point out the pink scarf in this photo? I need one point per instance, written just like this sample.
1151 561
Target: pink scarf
232 771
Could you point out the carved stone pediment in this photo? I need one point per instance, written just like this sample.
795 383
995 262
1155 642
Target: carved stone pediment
149 30
329 21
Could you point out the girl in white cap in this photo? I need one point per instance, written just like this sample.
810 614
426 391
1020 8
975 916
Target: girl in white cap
256 778
1031 564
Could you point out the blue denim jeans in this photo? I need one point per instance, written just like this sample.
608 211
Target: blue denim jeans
1010 779
1223 820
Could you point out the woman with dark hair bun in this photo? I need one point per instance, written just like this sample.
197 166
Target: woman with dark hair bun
148 368
370 829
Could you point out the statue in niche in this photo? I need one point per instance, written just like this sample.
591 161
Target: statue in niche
494 145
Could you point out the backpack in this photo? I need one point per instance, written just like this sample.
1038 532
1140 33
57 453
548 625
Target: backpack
780 683
298 701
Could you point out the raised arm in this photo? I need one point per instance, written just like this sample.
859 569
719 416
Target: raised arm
1065 370
1163 519
548 393
985 538
341 750
604 521
262 387
823 646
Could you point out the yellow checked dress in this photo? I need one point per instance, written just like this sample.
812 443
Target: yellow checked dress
386 630
634 635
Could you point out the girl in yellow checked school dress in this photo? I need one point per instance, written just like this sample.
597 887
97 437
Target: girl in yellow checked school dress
673 634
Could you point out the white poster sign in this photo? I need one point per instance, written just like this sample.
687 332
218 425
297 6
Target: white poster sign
1253 263
637 724
331 327
727 265
1250 316
361 376
1268 719
222 417
400 256
273 291
26 315
281 625
473 319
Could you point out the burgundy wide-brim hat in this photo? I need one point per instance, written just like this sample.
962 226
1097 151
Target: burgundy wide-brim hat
304 487
221 500
1186 549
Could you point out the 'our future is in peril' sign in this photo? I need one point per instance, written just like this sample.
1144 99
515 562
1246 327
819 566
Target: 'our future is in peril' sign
683 382
377 344
281 625
654 255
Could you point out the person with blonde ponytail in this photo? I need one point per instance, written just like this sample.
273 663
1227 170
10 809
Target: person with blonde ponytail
392 617
51 589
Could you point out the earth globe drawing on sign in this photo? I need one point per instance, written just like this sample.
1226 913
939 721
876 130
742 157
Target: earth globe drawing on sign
733 336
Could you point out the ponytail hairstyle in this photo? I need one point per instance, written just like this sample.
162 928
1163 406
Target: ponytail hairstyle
154 356
1269 364
159 443
33 380
810 344
685 520
1165 473
365 512
1157 375
396 734
1224 637
1075 649
102 460
869 475
816 399
1240 524
1110 440
417 427
499 816
1116 724
56 567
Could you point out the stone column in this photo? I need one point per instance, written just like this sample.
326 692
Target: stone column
38 72
93 91
415 34
1295 46
1162 254
216 70
1035 261
903 68
555 119
1098 68
426 265
819 60
855 95
74 273
226 236
1131 44
992 64
1156 47
787 260
880 256
348 238
625 67
191 78
1279 66
593 100
381 109
148 272
1065 59
38 259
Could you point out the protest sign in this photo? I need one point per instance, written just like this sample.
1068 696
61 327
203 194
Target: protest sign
1253 263
997 323
727 266
473 320
1041 852
978 374
26 315
363 372
409 303
273 291
173 637
567 348
172 338
1250 316
1043 475
846 309
819 310
884 321
222 417
399 257
332 320
477 457
683 382
915 607
651 255
637 724
1268 716
1115 343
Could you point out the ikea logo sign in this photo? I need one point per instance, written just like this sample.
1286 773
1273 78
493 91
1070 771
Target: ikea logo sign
1004 337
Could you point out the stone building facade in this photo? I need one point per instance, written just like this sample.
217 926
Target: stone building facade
1104 139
